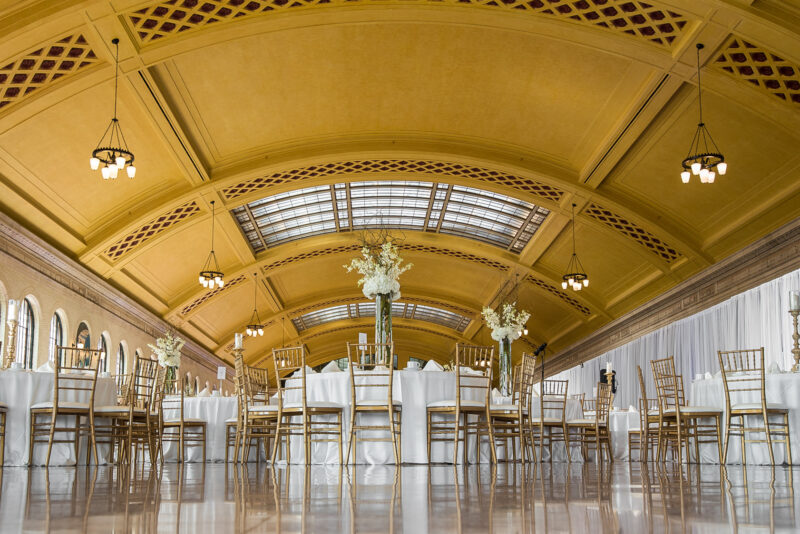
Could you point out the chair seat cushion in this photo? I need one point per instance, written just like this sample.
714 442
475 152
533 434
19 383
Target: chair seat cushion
315 404
186 421
3 407
537 420
232 421
700 409
113 409
62 405
452 404
582 421
255 408
506 408
381 402
757 406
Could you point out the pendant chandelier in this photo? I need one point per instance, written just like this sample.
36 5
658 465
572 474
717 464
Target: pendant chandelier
255 328
112 150
211 276
576 278
704 159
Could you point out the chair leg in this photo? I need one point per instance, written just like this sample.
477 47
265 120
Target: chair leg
455 438
277 443
785 422
769 438
727 437
566 442
428 435
351 436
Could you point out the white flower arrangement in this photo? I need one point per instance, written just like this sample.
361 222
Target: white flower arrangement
380 272
168 350
508 324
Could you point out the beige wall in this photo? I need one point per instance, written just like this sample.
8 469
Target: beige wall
110 314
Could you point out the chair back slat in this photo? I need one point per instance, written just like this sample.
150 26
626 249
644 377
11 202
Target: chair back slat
553 399
743 376
604 400
527 378
371 371
141 393
473 372
288 361
75 373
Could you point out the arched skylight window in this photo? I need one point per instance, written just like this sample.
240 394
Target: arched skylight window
489 217
405 310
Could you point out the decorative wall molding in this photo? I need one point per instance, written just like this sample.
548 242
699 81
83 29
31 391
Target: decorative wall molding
23 246
768 258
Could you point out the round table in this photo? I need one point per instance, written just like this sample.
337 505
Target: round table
214 411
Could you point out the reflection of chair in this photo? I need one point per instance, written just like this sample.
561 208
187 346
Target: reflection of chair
769 504
74 384
184 431
473 371
743 377
288 363
374 499
551 424
594 431
511 422
678 423
367 374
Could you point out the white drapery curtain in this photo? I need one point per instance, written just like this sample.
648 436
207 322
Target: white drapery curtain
756 318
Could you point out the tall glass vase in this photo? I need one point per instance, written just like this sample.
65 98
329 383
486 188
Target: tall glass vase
504 361
170 372
383 326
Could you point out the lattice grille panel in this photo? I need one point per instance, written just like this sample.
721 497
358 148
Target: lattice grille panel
404 327
640 20
40 67
393 166
634 231
189 308
560 294
151 229
403 246
762 68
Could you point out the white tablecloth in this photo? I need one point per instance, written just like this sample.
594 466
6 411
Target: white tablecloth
783 388
214 411
19 390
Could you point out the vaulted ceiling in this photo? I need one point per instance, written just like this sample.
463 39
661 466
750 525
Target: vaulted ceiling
474 126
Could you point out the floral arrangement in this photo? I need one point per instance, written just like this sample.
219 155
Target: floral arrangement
380 271
168 350
508 324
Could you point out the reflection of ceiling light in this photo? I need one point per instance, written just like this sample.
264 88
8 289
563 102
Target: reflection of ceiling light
211 276
704 159
112 150
255 328
575 278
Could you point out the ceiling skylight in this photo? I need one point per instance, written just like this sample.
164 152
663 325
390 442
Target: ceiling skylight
404 310
489 217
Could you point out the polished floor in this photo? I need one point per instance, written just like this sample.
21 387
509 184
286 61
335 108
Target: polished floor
554 497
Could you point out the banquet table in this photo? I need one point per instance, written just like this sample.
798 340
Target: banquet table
214 411
783 388
19 390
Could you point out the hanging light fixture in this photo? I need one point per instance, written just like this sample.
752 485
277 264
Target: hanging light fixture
704 159
112 150
575 277
211 276
255 328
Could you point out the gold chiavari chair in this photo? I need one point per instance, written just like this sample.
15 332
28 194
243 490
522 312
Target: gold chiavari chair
648 422
511 422
127 424
74 383
288 363
588 407
473 370
371 387
186 432
743 379
259 417
233 426
594 431
551 423
679 423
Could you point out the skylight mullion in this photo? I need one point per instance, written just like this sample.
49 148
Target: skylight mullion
445 202
255 222
335 208
521 229
430 206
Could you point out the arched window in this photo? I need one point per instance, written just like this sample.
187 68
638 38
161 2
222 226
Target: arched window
82 339
103 347
56 335
26 334
120 361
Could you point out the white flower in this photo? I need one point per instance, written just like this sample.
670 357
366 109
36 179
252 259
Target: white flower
508 324
380 272
168 350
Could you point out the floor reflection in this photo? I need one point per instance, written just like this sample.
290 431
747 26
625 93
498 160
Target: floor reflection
556 497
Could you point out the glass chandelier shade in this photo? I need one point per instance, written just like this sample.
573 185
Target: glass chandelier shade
112 150
576 277
210 275
255 327
704 158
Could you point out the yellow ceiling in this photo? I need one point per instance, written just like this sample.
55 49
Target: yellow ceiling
552 103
